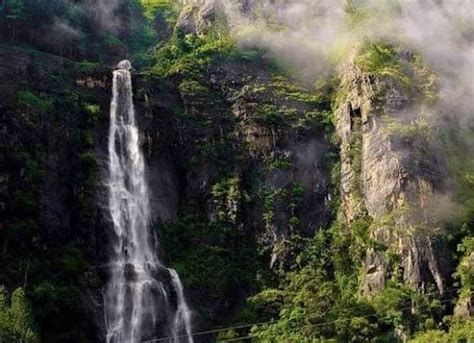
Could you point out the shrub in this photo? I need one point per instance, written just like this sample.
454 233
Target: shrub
194 88
431 336
168 9
35 103
464 271
16 318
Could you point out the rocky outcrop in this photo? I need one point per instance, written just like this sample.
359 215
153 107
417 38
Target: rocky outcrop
391 172
289 156
197 18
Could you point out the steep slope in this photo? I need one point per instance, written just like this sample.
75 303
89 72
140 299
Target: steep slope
331 211
392 168
253 164
52 217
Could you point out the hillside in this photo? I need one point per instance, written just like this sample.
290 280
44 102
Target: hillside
309 168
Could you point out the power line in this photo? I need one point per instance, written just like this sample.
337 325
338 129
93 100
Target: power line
207 332
338 320
201 333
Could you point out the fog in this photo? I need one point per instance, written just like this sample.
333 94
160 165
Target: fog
310 37
103 13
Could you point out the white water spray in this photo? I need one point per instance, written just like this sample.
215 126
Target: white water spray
143 299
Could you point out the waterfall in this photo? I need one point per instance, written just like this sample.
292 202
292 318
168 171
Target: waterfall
182 318
143 299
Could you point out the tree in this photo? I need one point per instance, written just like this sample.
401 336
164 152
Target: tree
16 320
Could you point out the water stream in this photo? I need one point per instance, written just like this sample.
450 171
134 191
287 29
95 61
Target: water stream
143 299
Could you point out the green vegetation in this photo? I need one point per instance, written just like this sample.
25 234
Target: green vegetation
382 60
16 318
465 269
227 196
418 129
364 14
316 295
34 103
191 55
405 69
227 259
80 29
278 163
318 299
168 9
93 110
297 107
460 331
50 133
241 242
193 88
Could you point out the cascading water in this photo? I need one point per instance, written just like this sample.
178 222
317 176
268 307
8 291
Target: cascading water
143 299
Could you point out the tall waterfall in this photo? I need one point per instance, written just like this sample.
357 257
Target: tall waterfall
143 299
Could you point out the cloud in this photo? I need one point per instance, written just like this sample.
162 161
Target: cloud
301 34
308 35
444 33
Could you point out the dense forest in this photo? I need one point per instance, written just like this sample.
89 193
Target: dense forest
310 166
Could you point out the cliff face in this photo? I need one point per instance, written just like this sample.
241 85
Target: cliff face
231 150
241 165
54 130
268 180
392 171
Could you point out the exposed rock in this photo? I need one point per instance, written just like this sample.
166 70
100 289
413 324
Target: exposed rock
91 82
376 272
380 178
187 21
464 308
259 139
197 18
206 16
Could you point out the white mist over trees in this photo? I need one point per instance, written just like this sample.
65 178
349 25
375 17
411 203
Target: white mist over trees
86 29
305 164
311 36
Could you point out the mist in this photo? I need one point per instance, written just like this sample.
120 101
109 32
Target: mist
309 37
103 13
60 32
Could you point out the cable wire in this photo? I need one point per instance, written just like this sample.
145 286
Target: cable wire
339 320
201 333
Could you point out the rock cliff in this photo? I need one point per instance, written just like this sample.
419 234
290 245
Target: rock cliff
271 199
392 171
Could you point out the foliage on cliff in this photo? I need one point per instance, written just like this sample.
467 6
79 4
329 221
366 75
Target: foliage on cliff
80 30
242 241
16 318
